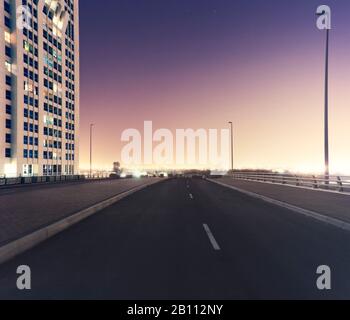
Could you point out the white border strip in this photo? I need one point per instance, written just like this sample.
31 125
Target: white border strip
25 243
318 216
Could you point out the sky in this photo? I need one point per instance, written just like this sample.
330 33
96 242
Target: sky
201 63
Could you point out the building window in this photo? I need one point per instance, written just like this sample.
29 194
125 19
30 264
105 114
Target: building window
7 7
8 66
8 153
8 80
7 37
8 109
8 138
8 51
8 124
8 95
7 22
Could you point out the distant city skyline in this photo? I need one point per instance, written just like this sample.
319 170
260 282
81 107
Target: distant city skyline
199 64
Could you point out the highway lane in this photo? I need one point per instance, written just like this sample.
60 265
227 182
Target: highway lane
186 239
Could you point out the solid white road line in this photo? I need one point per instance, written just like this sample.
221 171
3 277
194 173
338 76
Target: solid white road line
211 238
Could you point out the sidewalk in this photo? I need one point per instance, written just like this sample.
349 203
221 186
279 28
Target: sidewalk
335 205
24 210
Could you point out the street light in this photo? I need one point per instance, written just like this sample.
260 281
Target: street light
324 23
231 125
326 137
91 127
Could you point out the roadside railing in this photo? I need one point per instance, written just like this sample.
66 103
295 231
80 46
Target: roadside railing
56 179
41 179
336 183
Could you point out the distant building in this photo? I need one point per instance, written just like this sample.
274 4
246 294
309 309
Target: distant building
116 167
39 88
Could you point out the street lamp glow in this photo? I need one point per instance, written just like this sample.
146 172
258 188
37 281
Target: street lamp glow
137 174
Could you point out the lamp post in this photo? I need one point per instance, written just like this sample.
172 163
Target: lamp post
231 126
324 23
91 127
326 137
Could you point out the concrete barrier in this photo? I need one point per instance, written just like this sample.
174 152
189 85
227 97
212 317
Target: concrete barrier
39 179
50 179
12 181
27 180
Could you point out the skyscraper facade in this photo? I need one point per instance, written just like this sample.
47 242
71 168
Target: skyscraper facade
39 87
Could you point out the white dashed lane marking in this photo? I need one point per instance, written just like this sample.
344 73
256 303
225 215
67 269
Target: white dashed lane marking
211 238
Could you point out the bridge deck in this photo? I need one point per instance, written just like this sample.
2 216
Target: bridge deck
26 209
333 204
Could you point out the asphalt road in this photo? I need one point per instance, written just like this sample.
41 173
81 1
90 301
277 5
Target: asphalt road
186 239
28 208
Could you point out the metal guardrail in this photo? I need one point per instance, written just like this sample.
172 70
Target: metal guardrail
43 179
336 183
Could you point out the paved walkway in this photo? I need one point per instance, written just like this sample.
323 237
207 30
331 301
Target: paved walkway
335 205
24 210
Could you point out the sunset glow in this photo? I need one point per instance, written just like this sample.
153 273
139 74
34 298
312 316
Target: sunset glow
184 66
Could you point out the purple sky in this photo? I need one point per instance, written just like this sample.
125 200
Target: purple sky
200 63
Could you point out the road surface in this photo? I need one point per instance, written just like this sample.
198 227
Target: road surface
186 239
26 209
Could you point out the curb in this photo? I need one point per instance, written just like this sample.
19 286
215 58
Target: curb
27 242
315 215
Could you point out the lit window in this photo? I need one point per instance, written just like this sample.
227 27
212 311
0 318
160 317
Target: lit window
27 46
48 120
28 87
7 37
8 66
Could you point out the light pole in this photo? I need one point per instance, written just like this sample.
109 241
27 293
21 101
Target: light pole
91 127
324 23
231 125
326 137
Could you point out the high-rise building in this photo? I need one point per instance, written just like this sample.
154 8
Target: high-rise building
39 87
